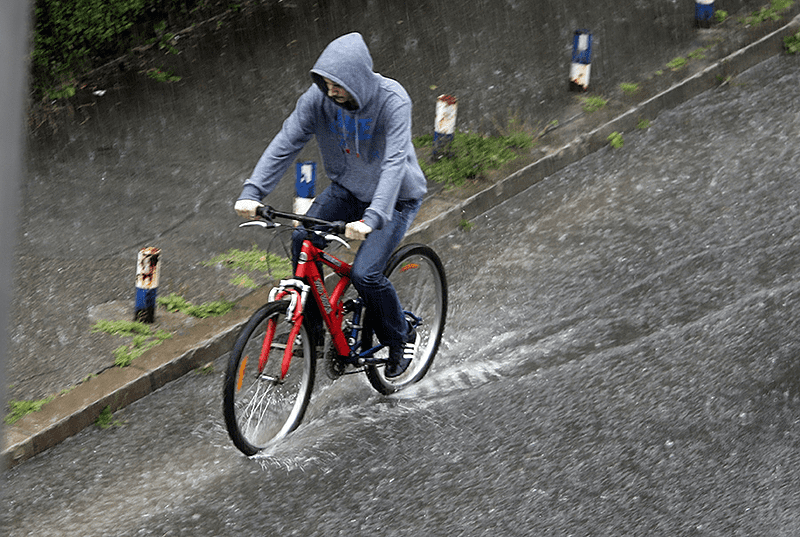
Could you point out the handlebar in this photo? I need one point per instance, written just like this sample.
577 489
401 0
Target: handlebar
268 213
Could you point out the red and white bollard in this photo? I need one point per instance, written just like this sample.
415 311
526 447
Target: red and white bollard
148 269
445 126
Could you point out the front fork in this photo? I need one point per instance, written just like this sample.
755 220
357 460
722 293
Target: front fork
297 293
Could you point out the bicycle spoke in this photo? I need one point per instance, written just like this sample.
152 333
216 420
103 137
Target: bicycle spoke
418 277
266 405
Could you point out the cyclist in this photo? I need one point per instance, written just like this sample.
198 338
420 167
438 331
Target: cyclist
362 124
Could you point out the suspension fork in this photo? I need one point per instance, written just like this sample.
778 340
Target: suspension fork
297 292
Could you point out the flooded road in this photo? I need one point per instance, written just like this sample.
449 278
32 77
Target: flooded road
621 358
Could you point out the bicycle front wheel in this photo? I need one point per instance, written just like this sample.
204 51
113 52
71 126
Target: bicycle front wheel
417 274
260 403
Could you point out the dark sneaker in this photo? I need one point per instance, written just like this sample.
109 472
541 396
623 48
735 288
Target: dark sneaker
400 357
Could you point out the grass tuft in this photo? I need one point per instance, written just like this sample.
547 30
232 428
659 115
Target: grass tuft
469 155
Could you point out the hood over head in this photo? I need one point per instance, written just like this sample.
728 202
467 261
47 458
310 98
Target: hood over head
347 62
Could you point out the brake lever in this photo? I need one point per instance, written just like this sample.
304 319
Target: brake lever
332 237
260 223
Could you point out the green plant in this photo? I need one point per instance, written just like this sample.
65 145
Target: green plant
771 12
142 336
593 103
126 354
164 38
471 154
121 328
106 419
20 409
465 225
64 91
629 88
176 303
253 260
643 124
697 54
720 15
677 63
426 140
162 76
69 35
615 139
792 43
243 280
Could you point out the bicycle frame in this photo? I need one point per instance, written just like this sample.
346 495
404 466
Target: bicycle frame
308 279
274 398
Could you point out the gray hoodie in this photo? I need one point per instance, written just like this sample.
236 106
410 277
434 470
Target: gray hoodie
366 148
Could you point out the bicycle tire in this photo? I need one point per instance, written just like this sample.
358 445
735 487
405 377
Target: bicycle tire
260 407
418 276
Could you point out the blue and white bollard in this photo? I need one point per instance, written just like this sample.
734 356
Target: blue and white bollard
148 269
445 126
704 13
581 66
305 186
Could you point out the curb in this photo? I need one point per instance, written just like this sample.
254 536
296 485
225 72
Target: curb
118 387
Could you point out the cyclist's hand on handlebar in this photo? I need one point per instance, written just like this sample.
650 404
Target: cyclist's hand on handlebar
357 231
247 208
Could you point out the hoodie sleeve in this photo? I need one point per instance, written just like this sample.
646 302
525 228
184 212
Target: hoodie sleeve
399 148
297 130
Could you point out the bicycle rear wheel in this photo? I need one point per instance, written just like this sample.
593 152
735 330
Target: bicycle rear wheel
260 405
417 274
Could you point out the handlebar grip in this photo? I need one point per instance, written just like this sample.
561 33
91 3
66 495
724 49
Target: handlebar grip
338 227
268 213
265 212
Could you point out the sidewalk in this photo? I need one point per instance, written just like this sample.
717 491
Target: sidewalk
728 50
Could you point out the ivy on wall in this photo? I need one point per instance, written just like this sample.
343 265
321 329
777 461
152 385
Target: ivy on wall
74 36
70 33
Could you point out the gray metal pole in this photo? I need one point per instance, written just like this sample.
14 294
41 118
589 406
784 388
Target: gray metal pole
14 21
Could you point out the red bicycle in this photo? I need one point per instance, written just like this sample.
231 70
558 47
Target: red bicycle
272 366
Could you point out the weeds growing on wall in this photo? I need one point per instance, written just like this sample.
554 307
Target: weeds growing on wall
773 12
593 103
252 261
142 339
792 43
470 154
615 140
68 35
106 419
176 303
20 409
73 37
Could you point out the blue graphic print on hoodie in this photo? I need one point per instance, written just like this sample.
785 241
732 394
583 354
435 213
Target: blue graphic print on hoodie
365 148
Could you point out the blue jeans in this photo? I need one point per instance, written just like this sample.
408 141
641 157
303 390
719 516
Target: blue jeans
380 298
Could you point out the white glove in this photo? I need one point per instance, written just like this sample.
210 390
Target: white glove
247 208
357 231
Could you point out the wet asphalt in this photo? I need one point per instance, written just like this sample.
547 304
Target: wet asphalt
620 359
